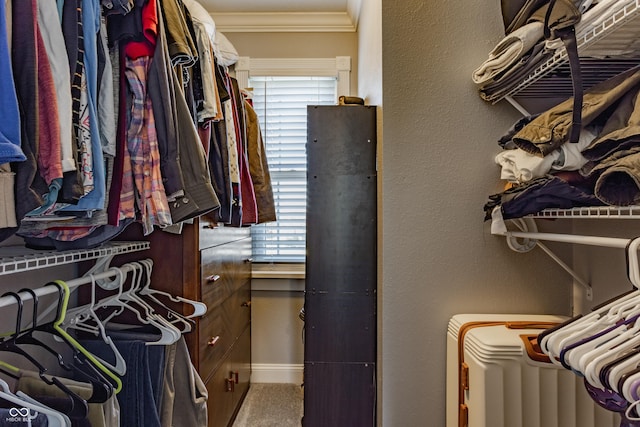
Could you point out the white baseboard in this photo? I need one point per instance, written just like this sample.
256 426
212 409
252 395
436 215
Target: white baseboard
276 373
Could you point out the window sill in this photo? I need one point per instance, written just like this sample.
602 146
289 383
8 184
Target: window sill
277 271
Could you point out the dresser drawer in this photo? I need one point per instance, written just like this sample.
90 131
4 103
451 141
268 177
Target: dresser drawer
237 310
214 340
224 269
210 234
229 384
221 327
215 280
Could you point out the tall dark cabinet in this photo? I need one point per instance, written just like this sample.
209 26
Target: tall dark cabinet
341 276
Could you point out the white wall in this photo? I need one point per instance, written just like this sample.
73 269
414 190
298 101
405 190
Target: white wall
277 347
370 52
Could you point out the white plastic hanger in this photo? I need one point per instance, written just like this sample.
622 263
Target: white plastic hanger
199 308
604 317
77 318
173 316
593 322
168 333
620 369
53 417
130 296
626 390
592 362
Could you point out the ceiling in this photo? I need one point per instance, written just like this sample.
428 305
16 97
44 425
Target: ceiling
284 15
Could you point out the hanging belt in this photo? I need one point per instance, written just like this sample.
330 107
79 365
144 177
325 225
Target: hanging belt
567 33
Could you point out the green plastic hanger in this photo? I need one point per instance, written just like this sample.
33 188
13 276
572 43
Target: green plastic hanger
10 370
62 309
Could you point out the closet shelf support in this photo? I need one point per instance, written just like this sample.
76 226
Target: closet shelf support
515 104
587 287
531 240
525 240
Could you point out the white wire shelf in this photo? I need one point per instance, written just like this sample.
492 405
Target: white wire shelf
592 212
17 259
613 42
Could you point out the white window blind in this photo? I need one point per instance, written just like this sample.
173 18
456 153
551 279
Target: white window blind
281 105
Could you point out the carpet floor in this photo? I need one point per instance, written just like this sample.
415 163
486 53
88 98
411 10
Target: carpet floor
271 405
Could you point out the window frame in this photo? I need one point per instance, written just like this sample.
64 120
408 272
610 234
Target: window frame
338 67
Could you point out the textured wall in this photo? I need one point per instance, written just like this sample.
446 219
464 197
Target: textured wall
439 258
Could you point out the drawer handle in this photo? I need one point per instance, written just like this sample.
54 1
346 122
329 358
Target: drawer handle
248 260
246 304
212 278
213 340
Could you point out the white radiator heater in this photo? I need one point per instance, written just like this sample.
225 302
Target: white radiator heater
492 381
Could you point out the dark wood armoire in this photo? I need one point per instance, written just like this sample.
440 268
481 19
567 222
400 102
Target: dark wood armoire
341 267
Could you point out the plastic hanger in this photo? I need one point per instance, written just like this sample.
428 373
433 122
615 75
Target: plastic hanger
591 325
168 333
9 370
601 317
620 334
629 387
622 340
607 338
593 362
172 316
570 356
63 301
78 317
102 389
130 296
199 308
615 372
53 417
78 405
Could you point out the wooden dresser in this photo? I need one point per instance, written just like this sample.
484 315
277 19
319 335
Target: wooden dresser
210 263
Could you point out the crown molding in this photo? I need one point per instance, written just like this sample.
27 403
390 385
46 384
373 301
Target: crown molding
353 10
289 21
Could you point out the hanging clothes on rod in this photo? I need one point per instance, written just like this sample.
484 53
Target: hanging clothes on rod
136 369
135 86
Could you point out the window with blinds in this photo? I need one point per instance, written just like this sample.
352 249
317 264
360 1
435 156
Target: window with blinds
281 105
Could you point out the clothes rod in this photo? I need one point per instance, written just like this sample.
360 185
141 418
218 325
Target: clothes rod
612 242
42 291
